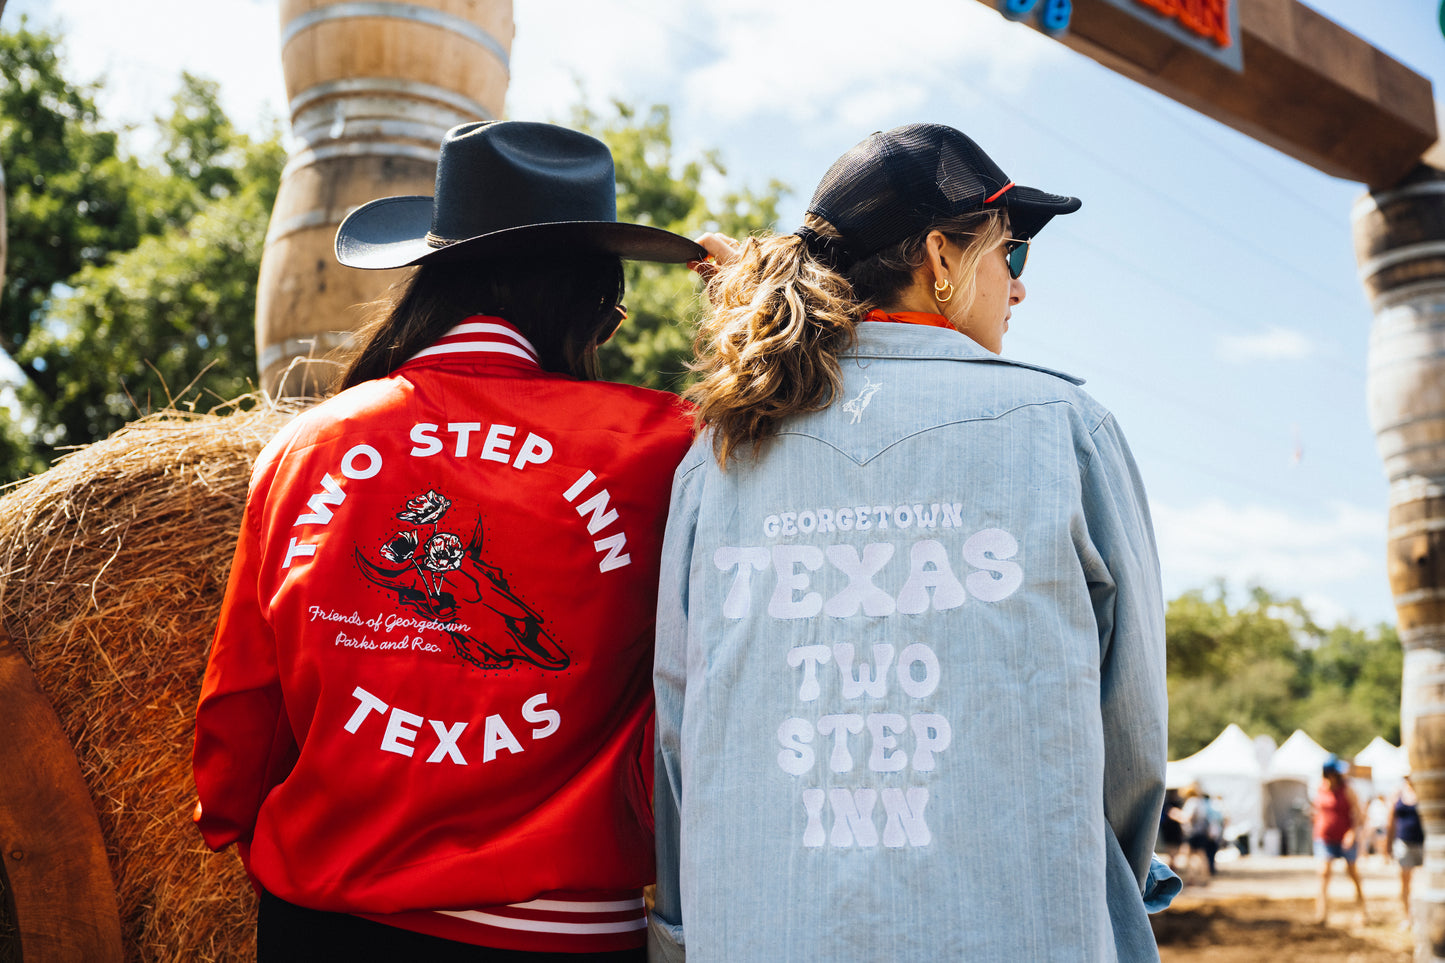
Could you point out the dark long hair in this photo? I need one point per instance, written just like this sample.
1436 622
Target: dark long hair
564 307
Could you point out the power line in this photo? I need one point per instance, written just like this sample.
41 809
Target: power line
1334 217
1217 312
1016 109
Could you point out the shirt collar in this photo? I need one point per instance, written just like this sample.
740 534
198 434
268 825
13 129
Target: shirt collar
919 341
481 338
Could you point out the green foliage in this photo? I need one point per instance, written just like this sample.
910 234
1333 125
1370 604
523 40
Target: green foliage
207 160
1268 666
129 285
655 344
132 283
1207 639
176 315
18 458
68 190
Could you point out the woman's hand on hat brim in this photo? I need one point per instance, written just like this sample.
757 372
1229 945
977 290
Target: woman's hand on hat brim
722 251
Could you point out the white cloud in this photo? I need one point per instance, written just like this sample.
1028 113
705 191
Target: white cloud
140 48
805 62
842 62
836 68
1335 562
623 49
1275 344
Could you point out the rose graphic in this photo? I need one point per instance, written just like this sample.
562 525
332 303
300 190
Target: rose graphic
401 547
502 630
425 509
444 553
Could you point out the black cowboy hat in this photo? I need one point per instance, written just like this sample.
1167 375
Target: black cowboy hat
507 187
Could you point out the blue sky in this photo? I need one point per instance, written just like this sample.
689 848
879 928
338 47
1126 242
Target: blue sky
1207 290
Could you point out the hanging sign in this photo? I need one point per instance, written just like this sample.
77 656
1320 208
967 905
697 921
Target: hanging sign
1210 27
1053 15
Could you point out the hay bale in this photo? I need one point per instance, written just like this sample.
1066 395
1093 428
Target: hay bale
112 568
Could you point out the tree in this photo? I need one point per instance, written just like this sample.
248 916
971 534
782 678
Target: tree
176 313
1268 666
1356 695
129 281
654 345
207 159
69 191
176 318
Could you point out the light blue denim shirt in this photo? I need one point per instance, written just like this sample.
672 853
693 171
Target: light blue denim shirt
910 676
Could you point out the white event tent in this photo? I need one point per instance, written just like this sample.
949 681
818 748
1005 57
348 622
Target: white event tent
1290 777
1388 765
1298 758
1265 791
1230 770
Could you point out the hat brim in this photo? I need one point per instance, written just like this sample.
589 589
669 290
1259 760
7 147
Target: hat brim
391 233
1029 209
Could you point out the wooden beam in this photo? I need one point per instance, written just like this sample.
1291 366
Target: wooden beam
1309 87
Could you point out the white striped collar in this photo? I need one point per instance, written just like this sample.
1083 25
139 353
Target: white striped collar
481 335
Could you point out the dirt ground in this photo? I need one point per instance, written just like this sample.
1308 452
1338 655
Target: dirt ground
1262 908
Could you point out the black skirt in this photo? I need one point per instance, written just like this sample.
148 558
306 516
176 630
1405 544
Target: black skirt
287 933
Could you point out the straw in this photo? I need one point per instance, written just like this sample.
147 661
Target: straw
112 568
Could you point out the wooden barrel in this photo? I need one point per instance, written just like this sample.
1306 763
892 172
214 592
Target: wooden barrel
1400 245
372 89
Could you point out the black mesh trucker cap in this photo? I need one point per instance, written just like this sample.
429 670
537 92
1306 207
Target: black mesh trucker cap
895 184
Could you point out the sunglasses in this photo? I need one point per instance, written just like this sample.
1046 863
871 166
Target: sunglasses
1015 252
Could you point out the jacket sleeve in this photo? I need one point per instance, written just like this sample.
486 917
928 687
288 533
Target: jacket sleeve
669 678
1122 566
244 744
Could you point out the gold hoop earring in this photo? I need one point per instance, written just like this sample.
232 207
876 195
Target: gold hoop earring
939 287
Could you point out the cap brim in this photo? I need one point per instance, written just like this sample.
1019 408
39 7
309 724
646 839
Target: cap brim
391 233
1029 209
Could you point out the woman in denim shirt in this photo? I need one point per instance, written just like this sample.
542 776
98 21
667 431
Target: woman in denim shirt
910 653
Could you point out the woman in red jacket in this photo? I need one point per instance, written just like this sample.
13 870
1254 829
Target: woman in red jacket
426 716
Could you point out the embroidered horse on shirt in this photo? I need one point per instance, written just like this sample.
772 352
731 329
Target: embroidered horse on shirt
855 406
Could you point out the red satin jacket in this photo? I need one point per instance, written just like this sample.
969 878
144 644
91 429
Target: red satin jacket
428 699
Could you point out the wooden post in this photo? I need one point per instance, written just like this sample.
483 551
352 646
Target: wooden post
372 88
53 854
1400 244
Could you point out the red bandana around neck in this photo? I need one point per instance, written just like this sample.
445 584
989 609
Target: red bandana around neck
910 317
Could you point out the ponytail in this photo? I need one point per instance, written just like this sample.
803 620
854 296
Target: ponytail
783 314
770 348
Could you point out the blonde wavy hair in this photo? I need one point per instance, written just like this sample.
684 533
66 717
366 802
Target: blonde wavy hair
781 317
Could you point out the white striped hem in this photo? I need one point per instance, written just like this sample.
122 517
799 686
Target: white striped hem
547 926
616 906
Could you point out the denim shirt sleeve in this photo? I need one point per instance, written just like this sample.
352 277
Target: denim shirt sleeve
1161 887
669 678
1122 565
